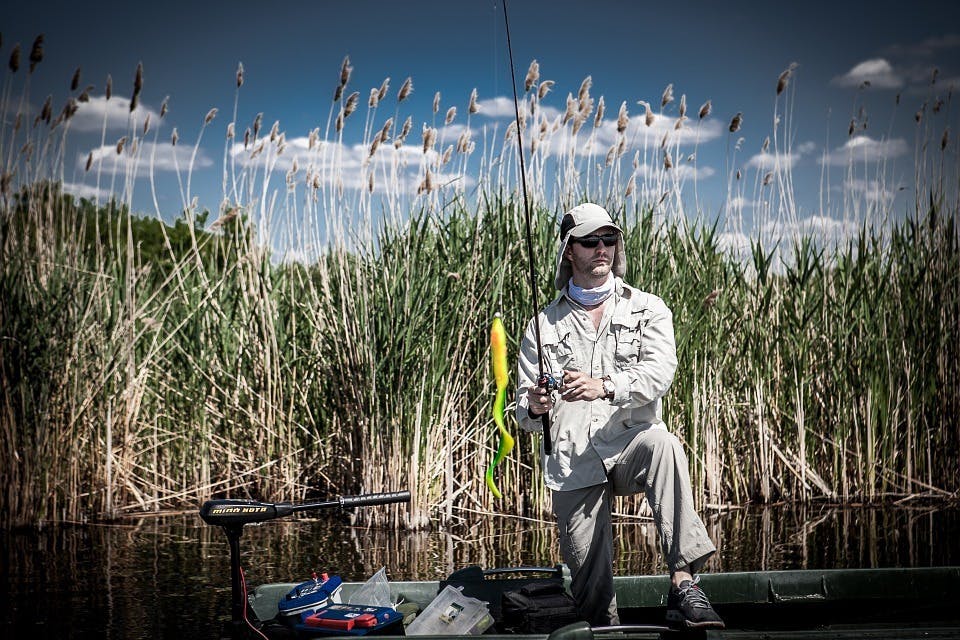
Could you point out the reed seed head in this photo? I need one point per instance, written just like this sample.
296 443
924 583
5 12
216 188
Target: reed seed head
705 109
768 178
436 102
784 77
351 105
667 96
384 87
945 140
736 122
472 107
239 75
544 89
210 116
533 76
683 105
146 124
257 122
405 89
679 123
108 91
766 145
163 107
137 86
739 174
46 111
374 98
451 114
623 118
174 137
429 138
14 63
385 131
75 81
345 71
667 160
122 141
231 131
89 161
36 52
600 110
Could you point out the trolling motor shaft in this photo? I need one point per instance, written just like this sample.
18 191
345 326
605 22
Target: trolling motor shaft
232 515
230 512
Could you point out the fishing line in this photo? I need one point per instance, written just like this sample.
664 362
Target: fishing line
542 379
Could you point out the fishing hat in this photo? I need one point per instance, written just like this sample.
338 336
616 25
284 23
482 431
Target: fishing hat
581 221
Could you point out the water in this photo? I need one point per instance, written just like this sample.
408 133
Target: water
168 577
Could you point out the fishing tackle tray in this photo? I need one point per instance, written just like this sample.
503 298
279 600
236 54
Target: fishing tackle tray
350 619
520 599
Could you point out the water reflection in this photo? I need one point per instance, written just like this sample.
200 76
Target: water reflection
169 577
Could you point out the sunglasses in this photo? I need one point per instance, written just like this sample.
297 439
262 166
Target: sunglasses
591 242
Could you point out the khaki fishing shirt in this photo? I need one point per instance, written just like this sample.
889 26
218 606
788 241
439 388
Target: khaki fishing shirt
634 346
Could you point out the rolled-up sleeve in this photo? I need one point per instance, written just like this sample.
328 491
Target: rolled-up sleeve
648 380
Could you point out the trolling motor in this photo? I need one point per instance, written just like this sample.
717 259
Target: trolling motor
232 515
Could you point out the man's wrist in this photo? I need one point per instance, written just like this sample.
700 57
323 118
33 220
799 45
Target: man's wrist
609 388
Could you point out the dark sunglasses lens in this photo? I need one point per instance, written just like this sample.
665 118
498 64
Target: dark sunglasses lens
591 242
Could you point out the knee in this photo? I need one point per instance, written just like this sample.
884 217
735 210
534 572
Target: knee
664 443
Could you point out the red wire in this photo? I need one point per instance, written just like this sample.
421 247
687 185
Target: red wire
243 584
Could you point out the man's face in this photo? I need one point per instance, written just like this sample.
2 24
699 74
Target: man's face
592 263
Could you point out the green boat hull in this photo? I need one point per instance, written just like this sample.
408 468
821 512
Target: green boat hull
840 603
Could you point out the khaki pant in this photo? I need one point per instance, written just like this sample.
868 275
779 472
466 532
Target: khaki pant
654 463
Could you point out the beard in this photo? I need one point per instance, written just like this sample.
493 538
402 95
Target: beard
590 266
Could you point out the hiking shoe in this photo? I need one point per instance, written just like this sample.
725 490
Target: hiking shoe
688 607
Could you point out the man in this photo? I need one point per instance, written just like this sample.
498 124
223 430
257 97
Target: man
613 345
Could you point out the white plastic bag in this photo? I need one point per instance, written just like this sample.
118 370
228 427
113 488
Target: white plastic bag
374 592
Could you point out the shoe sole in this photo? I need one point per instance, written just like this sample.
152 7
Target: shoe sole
677 621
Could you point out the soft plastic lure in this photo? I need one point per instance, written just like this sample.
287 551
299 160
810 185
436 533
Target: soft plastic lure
498 358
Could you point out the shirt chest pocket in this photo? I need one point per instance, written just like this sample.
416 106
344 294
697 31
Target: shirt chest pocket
629 336
558 350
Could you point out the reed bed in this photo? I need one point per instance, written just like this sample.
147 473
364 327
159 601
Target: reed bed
150 365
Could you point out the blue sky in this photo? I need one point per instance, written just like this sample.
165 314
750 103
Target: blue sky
730 53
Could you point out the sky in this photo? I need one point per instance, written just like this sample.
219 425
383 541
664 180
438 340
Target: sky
866 67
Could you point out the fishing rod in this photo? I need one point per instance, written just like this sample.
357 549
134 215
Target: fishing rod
544 379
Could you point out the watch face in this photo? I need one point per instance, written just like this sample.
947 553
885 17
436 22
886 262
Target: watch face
608 387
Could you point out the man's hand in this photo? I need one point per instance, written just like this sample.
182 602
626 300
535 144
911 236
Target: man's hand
579 386
539 401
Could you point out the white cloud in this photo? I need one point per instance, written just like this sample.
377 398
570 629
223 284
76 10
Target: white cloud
87 191
863 148
927 47
877 71
160 156
90 116
336 165
766 161
874 192
781 161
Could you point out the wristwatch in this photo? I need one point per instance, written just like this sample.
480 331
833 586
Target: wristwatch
609 389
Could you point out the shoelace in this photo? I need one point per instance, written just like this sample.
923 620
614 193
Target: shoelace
695 596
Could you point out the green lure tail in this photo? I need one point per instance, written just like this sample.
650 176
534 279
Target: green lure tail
498 358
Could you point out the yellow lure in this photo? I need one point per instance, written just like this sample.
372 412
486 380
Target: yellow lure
498 358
